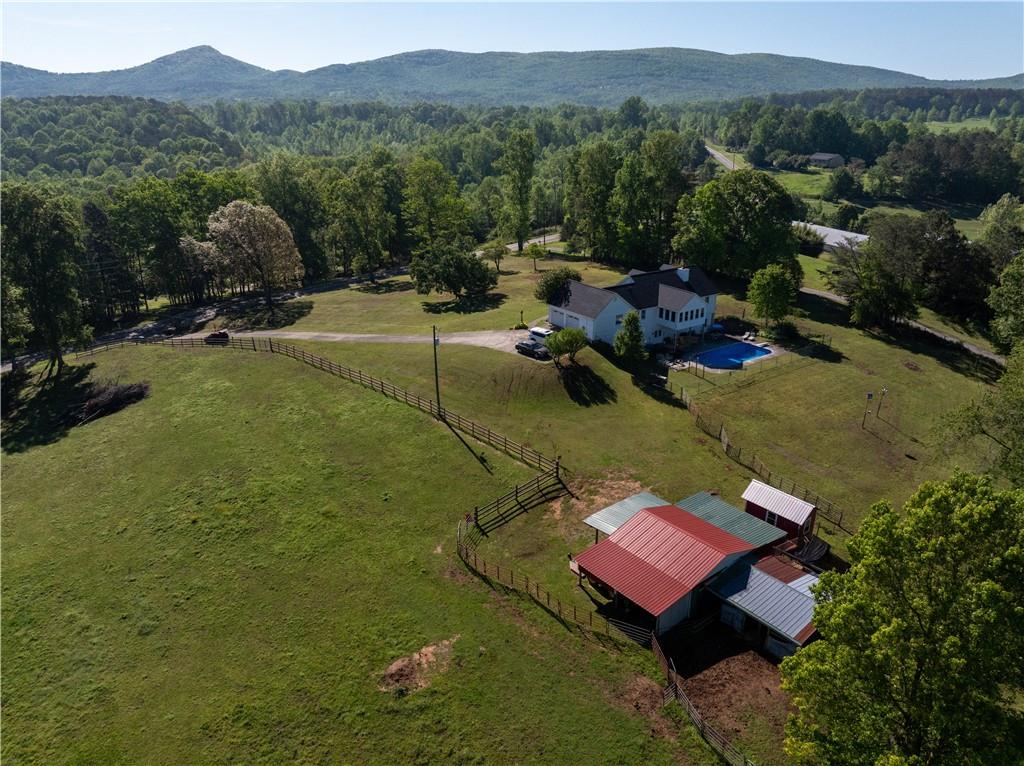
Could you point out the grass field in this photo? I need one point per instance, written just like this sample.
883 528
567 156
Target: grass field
225 571
393 306
971 123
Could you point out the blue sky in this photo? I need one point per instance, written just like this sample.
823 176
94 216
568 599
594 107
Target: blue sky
948 40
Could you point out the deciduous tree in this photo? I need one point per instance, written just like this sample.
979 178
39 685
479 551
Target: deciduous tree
40 250
517 166
1007 303
919 660
772 293
553 281
568 342
256 239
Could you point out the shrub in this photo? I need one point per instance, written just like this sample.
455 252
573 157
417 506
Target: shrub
567 342
553 282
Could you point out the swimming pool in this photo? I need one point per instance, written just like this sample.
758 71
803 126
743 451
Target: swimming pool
731 356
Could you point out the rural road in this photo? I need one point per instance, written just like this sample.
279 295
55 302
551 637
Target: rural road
555 236
976 350
721 158
499 340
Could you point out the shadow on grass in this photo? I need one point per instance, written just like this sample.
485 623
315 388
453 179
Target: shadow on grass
385 287
819 309
584 386
259 317
467 305
949 355
41 414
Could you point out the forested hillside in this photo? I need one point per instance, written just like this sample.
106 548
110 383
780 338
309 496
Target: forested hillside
599 78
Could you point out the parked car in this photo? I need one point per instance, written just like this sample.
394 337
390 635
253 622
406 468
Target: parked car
540 334
533 349
218 338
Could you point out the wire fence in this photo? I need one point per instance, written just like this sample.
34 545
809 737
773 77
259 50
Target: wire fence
514 449
715 428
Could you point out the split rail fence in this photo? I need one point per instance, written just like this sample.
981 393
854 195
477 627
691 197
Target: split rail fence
481 433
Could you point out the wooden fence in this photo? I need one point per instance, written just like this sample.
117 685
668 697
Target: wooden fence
718 741
588 619
481 433
541 489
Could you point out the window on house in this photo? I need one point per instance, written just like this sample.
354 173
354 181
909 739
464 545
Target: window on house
771 518
702 313
643 314
673 316
618 319
661 313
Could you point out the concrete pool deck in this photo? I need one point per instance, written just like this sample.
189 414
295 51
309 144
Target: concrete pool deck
690 360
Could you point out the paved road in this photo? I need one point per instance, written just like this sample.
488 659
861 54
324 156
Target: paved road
555 236
721 158
500 340
976 350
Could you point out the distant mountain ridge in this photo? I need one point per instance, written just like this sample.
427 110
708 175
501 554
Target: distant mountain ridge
599 78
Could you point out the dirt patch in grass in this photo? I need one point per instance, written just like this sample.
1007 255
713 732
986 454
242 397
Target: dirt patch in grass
912 366
645 696
592 496
738 689
414 671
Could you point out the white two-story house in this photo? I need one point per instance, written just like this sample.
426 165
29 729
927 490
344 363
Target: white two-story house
672 301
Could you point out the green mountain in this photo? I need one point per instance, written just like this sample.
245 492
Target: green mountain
600 78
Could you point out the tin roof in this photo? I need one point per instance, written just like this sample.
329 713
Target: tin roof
785 607
609 519
659 555
716 511
778 502
833 237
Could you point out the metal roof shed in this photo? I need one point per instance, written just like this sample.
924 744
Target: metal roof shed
716 511
609 519
782 606
778 502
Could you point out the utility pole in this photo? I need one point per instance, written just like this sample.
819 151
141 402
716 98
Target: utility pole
867 409
881 399
437 379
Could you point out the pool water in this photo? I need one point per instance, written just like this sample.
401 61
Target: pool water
731 356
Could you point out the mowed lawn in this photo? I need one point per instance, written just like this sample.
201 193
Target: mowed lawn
393 306
223 573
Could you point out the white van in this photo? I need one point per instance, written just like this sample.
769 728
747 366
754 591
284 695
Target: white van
541 334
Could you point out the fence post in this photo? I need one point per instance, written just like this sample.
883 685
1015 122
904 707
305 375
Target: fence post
476 515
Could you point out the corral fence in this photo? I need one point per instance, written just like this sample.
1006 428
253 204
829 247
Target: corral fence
827 510
481 433
587 619
715 739
541 489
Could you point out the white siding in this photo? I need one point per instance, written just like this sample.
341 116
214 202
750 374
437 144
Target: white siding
603 326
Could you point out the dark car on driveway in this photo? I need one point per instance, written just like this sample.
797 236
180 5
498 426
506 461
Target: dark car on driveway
532 349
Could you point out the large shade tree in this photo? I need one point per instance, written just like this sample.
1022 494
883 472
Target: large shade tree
736 225
260 244
41 245
921 656
517 166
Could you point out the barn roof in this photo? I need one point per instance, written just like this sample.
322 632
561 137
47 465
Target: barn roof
833 237
781 601
659 555
778 502
824 156
716 511
609 519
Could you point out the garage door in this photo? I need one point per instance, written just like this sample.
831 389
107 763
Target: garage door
572 321
557 318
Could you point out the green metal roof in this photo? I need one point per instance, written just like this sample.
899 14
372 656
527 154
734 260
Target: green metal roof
716 511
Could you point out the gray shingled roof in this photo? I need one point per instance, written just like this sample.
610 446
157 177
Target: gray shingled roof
582 299
674 298
642 290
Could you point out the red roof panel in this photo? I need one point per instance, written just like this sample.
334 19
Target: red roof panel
659 556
